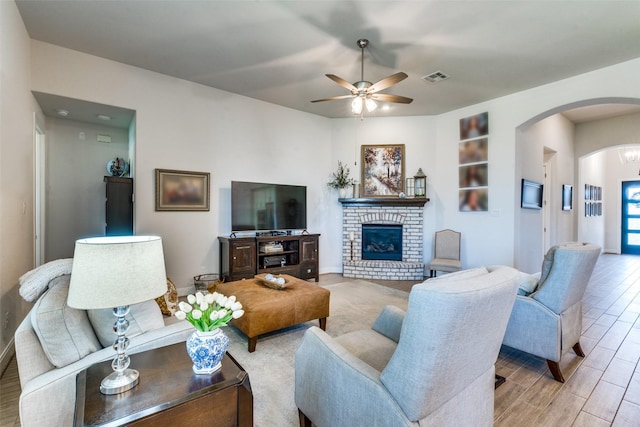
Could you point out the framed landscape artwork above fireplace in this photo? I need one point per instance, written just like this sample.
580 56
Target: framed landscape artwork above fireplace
382 170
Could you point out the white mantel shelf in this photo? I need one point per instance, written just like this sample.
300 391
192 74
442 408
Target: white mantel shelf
384 201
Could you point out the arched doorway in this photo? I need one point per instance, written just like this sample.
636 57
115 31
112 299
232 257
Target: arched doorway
530 156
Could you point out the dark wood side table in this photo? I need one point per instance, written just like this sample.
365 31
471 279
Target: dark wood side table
169 393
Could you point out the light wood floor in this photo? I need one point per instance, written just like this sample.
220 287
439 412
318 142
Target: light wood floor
603 389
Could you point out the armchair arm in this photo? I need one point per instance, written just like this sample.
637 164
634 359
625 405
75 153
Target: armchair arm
49 399
333 387
389 322
534 328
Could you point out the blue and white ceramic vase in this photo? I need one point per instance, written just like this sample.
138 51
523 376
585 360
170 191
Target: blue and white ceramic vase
206 350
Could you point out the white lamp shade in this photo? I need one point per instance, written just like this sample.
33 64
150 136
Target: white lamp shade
116 271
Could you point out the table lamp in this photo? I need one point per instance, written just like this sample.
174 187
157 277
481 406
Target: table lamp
115 272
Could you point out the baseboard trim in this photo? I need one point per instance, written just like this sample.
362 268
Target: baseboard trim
6 356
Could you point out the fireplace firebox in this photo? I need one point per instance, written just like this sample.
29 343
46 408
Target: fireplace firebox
382 242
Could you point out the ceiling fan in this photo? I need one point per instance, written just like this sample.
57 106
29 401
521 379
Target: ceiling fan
364 92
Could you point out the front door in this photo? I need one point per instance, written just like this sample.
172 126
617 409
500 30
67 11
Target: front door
630 239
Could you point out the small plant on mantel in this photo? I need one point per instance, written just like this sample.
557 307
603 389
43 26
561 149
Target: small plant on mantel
340 178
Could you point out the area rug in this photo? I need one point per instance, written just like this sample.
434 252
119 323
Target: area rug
354 305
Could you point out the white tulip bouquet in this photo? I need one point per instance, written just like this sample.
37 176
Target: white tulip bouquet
207 312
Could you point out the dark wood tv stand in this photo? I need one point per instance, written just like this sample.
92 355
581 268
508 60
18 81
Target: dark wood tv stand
244 257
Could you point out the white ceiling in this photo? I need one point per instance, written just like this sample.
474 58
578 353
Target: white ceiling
84 111
279 51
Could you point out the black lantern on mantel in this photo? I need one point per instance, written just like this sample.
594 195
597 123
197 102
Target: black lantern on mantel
420 183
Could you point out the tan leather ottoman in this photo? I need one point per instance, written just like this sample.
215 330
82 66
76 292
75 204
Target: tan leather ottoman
268 310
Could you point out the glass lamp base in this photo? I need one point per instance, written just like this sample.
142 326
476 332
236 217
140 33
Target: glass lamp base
118 382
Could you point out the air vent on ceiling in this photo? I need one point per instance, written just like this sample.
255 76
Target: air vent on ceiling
436 77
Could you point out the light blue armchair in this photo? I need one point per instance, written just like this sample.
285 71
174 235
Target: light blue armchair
430 366
548 322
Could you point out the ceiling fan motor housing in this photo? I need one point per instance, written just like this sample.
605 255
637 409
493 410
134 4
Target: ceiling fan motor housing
362 43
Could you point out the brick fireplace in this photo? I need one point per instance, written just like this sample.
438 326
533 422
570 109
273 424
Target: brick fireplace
378 257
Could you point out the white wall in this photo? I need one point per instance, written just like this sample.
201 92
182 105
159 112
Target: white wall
555 135
593 171
186 126
418 136
17 107
615 131
496 230
183 125
76 188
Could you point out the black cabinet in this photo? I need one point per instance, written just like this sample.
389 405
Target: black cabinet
244 257
118 206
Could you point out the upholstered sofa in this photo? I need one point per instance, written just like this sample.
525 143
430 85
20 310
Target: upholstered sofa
55 342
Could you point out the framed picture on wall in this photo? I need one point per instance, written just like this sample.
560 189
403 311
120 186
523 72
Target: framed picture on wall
382 170
474 175
473 200
182 190
474 126
473 151
567 197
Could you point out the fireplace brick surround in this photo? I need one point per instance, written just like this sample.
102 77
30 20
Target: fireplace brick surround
405 212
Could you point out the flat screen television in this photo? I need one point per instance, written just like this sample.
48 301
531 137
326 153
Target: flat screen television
267 207
531 197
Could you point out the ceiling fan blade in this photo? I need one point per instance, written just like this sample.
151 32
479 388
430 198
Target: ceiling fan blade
333 98
387 82
342 82
386 97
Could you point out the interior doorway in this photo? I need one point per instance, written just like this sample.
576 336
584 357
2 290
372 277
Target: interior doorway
630 229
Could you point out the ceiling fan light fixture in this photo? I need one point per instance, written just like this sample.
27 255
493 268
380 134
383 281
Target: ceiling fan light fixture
371 104
356 105
363 92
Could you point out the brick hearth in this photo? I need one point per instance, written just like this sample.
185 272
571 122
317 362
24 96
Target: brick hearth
408 213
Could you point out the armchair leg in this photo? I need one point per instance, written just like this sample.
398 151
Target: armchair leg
554 367
578 349
304 421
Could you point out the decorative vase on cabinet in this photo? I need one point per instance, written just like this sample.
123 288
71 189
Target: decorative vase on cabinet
206 350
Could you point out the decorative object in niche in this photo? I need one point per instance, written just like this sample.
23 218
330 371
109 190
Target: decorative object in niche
118 167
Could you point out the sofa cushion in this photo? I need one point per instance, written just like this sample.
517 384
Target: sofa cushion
168 302
142 317
33 283
527 283
65 333
547 263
